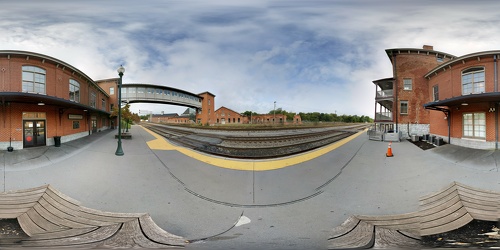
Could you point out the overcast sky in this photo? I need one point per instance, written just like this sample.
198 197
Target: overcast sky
307 55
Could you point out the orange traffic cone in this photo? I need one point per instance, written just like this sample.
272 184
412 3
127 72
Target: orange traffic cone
389 151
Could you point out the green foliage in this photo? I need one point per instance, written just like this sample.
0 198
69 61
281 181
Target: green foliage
324 117
248 113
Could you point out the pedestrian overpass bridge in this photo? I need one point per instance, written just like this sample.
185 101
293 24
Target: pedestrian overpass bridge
148 93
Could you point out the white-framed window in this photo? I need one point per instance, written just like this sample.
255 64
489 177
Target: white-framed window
34 79
111 90
92 99
435 92
407 83
74 90
474 125
403 107
473 81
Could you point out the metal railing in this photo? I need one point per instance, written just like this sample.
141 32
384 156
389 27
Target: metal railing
385 93
383 116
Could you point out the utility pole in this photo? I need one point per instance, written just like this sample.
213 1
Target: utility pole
274 112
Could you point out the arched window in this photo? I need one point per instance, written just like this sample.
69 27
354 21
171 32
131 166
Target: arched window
33 79
74 90
473 81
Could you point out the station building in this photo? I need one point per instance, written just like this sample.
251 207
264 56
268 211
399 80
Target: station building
44 100
431 92
225 115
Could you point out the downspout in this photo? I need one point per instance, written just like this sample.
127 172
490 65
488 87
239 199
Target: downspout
496 103
395 87
448 114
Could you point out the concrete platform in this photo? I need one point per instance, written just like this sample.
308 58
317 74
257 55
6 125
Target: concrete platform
293 207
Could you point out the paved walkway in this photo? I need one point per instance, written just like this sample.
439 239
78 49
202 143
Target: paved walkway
288 208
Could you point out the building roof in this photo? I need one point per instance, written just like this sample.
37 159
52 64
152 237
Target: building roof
206 92
461 60
227 109
391 52
145 85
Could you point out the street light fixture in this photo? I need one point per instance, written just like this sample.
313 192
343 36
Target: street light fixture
119 150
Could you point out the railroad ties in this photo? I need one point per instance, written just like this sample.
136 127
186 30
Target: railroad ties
447 210
252 143
48 218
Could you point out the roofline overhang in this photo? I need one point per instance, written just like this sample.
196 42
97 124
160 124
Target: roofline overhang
459 59
34 99
390 52
156 86
383 80
206 92
460 100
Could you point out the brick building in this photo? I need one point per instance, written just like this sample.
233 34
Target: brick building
225 115
43 98
275 119
171 118
436 93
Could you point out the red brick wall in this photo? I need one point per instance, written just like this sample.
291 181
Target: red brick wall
450 81
207 115
170 119
414 66
57 85
450 85
229 116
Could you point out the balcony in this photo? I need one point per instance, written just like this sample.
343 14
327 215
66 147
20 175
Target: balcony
381 94
383 116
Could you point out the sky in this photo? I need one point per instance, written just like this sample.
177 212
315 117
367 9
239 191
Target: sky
307 56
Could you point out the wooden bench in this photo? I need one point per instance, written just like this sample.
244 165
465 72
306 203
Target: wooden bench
124 136
52 219
451 208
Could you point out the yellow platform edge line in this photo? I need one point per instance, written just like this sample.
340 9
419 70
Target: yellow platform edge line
161 143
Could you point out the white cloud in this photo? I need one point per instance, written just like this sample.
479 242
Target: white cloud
306 55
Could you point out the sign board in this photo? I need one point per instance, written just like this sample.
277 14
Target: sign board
75 117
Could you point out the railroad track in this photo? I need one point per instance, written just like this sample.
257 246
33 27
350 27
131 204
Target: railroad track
252 144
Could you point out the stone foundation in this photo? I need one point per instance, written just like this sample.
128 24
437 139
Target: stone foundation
415 129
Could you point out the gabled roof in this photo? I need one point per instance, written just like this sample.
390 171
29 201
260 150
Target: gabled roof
227 109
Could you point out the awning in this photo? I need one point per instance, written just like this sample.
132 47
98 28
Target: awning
464 99
32 98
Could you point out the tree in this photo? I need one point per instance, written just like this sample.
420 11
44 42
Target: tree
249 113
127 115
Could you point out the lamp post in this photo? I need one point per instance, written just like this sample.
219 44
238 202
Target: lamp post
274 112
119 150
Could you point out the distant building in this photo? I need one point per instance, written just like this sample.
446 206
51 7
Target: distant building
225 115
275 119
436 93
170 118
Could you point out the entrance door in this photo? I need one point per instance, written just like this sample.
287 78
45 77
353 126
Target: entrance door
94 124
34 133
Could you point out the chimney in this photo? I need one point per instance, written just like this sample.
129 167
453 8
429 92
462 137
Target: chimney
428 47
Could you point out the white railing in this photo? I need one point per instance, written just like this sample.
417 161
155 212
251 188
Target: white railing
383 116
385 93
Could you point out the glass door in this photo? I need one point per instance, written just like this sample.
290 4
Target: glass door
34 133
